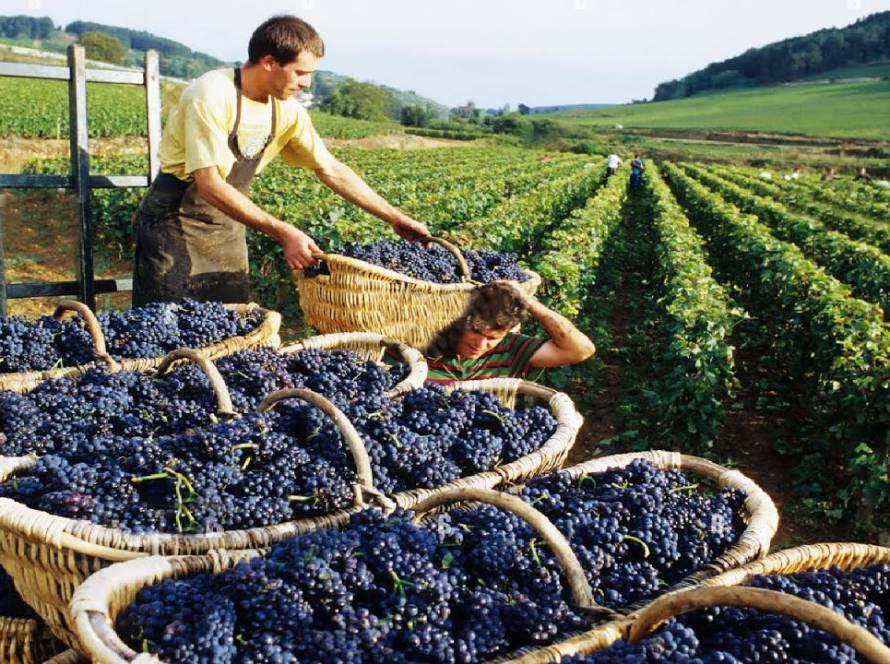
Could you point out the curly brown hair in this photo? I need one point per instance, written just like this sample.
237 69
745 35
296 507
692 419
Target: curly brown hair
492 306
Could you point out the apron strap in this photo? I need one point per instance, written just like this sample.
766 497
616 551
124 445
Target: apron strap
233 137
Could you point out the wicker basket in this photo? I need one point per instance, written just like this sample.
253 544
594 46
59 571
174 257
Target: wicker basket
548 457
359 296
847 556
48 556
762 516
26 641
97 603
266 334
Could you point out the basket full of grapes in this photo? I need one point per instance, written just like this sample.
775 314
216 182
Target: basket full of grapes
817 603
469 575
400 288
137 339
242 453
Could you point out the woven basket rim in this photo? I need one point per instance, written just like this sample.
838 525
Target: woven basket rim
114 544
347 263
822 555
25 381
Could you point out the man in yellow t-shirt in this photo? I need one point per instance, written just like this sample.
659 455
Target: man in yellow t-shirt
228 124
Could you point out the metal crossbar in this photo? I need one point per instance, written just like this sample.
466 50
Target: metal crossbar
79 178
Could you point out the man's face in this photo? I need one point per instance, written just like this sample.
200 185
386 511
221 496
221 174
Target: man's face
476 342
287 80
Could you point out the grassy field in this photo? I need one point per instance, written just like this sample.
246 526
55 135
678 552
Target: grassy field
846 110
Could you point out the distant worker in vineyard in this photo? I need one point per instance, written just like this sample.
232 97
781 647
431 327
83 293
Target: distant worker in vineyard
228 125
482 344
613 161
636 172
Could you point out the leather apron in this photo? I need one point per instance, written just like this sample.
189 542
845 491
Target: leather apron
185 247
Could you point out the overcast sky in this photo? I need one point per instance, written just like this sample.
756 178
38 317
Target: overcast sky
491 51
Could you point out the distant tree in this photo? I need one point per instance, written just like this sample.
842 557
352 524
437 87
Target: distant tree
354 99
524 110
26 26
102 46
416 115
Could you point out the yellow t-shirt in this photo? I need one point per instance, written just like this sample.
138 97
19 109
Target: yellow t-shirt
197 131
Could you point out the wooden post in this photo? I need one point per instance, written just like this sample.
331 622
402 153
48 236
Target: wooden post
153 108
80 172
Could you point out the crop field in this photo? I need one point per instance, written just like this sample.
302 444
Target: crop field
849 110
39 109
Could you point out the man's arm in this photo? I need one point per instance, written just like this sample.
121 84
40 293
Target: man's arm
345 182
298 246
567 344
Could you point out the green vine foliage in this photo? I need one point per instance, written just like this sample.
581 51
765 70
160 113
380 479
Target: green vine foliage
836 346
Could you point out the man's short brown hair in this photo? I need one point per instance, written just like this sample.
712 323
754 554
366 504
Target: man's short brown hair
284 38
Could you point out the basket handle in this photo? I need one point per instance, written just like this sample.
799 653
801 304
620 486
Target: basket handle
770 601
557 542
411 356
454 251
365 485
224 407
100 352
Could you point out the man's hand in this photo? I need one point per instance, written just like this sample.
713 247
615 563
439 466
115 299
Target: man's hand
409 229
298 248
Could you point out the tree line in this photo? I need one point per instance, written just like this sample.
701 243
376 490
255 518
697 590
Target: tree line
866 40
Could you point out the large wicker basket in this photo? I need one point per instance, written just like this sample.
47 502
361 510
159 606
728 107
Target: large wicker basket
847 556
359 296
48 556
265 334
551 455
97 603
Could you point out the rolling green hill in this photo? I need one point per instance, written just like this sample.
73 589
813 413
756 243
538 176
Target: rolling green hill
842 110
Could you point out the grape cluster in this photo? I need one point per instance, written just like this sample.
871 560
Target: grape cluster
741 635
145 454
149 331
655 522
465 586
435 264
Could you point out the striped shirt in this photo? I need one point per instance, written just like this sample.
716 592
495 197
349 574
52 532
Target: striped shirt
509 359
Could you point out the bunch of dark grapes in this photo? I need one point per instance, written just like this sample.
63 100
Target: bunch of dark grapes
145 454
435 264
38 345
104 403
156 329
638 529
465 586
742 635
380 590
